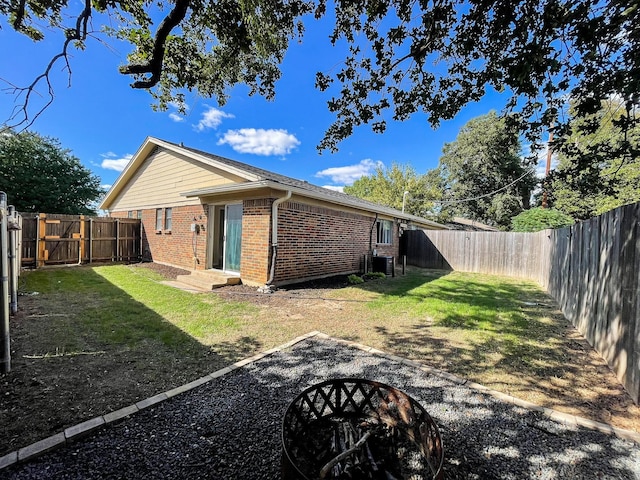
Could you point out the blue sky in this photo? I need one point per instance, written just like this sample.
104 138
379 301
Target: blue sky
103 121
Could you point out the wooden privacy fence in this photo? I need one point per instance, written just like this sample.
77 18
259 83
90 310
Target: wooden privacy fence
54 239
591 269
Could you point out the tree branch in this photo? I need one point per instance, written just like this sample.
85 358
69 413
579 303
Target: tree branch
17 22
79 33
154 65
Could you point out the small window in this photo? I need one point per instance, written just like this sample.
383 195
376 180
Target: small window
158 219
139 214
130 214
384 232
167 219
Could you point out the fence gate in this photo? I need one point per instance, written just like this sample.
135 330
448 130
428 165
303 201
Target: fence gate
60 239
54 239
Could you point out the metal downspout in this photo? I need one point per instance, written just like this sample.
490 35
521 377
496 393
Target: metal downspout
274 234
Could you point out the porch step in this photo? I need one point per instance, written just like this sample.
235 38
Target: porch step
207 279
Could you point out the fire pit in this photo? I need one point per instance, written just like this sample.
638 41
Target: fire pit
352 428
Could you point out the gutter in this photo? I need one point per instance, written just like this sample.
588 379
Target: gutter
274 234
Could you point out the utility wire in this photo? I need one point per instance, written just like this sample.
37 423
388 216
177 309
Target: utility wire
486 194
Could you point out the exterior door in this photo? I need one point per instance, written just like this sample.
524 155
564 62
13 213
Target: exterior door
232 237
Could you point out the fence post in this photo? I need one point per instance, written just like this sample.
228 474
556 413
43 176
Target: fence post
42 239
36 247
81 247
90 239
5 343
12 233
117 239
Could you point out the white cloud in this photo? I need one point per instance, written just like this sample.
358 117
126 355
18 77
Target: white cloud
106 186
117 164
108 155
260 141
350 173
335 188
211 119
176 117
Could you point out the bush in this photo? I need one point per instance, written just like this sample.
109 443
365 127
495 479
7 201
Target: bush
539 218
373 275
354 279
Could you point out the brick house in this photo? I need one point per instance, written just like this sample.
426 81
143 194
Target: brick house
200 211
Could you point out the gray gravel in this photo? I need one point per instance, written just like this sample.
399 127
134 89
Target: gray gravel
230 428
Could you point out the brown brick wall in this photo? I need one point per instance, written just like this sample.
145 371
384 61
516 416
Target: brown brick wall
256 232
315 242
175 247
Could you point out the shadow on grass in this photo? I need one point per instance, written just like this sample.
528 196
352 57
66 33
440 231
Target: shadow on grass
510 337
82 347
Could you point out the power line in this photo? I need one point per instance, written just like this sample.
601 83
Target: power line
486 194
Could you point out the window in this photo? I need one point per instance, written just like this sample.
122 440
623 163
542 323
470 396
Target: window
158 219
130 214
384 231
139 214
167 218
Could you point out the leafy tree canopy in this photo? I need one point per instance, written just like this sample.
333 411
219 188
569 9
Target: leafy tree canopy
429 56
485 175
536 219
592 176
38 175
387 186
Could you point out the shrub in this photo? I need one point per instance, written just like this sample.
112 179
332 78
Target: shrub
373 275
536 219
354 279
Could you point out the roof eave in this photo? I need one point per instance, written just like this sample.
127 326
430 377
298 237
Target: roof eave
245 187
143 152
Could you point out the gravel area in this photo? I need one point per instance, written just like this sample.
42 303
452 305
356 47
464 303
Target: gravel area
230 428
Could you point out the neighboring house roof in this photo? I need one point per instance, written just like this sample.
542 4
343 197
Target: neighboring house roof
256 178
460 223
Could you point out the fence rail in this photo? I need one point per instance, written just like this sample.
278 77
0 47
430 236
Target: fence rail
53 239
592 269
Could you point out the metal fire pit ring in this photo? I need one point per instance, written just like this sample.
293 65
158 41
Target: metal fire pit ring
360 401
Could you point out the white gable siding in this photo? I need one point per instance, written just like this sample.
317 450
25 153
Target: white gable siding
163 176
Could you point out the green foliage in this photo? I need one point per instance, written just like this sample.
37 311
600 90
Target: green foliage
38 175
373 275
354 279
592 177
484 163
536 219
404 57
386 186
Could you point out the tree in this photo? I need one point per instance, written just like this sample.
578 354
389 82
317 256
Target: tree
387 186
536 219
38 175
432 56
486 178
592 177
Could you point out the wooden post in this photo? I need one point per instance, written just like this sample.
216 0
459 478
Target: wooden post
117 240
36 247
42 243
404 264
90 239
81 247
